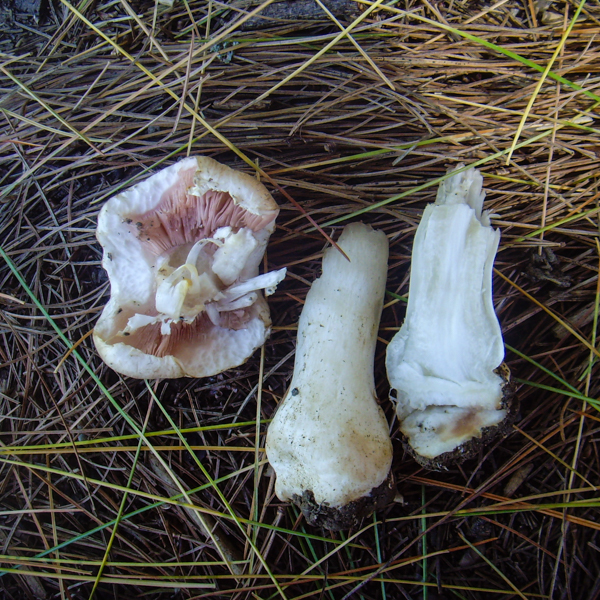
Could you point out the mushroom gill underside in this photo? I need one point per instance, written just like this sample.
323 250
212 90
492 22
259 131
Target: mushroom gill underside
185 283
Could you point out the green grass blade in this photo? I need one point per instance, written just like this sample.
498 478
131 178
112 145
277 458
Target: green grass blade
118 518
218 491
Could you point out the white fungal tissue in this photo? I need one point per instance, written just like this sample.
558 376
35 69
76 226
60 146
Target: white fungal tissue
329 436
442 362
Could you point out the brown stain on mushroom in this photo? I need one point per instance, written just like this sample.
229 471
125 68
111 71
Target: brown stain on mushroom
469 425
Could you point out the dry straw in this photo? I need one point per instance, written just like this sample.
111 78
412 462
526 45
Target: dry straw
350 115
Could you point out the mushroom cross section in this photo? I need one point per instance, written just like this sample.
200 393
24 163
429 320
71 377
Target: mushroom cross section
444 363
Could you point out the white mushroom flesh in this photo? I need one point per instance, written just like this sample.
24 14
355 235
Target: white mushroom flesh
442 361
329 435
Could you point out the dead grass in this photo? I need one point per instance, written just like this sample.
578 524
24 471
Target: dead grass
93 103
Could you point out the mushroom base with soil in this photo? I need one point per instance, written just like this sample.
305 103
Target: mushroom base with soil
349 515
479 435
329 441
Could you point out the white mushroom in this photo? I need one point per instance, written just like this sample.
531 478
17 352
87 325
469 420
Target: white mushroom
177 249
443 363
329 442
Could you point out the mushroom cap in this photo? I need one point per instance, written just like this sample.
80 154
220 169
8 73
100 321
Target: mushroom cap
170 314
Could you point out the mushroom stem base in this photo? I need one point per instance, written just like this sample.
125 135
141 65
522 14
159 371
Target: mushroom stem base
470 449
350 515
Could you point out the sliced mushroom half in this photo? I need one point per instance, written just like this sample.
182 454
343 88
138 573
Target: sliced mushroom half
445 364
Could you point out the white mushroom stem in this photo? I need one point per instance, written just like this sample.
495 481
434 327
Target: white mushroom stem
329 435
441 363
